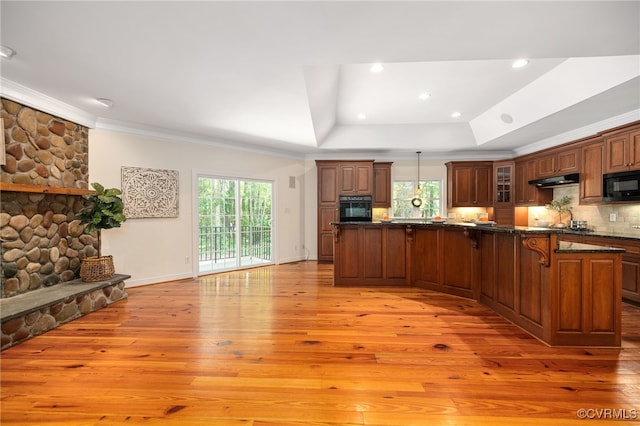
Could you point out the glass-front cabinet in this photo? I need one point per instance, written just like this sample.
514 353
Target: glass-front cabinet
503 183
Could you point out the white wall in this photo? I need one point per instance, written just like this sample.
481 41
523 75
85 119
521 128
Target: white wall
429 170
311 209
156 249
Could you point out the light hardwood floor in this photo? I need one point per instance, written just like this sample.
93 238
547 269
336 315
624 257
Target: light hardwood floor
281 346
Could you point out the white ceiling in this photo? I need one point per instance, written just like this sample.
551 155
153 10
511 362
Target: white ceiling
293 76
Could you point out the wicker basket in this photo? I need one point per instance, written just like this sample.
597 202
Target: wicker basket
96 268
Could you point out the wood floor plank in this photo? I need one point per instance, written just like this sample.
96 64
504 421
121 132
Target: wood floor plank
280 345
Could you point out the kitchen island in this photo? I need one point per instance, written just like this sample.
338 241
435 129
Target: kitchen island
563 293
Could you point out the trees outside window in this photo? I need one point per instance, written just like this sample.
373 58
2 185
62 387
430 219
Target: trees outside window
234 223
404 191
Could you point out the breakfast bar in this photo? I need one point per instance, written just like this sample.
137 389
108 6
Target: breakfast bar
563 293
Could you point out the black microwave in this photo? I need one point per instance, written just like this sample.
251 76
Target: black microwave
623 186
355 208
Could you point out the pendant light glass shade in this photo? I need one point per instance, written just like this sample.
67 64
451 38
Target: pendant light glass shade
417 201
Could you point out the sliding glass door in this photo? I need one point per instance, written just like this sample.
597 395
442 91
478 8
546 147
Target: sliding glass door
234 223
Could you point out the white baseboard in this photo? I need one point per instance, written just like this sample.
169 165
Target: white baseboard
156 280
291 259
187 275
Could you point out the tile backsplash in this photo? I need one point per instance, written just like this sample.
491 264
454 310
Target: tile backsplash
598 217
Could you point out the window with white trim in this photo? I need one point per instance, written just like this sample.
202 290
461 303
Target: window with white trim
405 190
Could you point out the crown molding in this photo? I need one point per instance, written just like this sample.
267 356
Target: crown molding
34 99
582 132
180 137
406 155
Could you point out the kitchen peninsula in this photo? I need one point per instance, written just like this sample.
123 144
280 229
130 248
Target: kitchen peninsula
563 293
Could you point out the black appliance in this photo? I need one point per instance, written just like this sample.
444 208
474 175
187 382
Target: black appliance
556 180
355 208
623 186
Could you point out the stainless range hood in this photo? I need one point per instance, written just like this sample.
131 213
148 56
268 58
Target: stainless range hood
556 180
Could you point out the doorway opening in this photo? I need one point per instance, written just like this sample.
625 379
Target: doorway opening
234 223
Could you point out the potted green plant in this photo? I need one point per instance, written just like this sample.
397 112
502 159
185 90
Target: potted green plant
103 211
561 206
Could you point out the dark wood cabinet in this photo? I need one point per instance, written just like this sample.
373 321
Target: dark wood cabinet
328 192
326 215
503 193
327 183
631 276
356 177
382 184
525 194
337 178
427 251
505 216
512 280
503 183
564 298
592 170
557 162
586 300
459 271
525 171
630 264
630 261
622 151
371 255
563 295
453 274
504 269
469 183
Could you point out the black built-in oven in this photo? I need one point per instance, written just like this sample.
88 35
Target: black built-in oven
355 208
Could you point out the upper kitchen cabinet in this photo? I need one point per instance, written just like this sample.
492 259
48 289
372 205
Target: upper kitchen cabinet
557 162
382 184
503 192
526 194
592 169
503 183
469 183
356 177
328 190
622 151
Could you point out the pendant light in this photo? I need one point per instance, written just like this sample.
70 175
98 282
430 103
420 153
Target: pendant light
417 201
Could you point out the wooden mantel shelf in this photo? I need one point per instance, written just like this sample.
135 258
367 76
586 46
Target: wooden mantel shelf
15 187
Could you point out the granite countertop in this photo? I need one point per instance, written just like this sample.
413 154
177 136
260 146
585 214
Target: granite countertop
633 234
569 247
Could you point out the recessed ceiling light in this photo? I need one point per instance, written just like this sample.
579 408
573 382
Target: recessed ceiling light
423 96
362 116
6 52
456 114
519 63
376 68
107 103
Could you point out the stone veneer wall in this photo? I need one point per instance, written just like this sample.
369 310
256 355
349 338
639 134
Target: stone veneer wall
42 244
42 149
50 316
